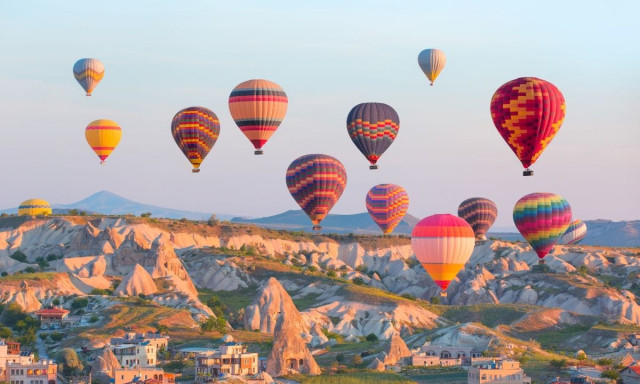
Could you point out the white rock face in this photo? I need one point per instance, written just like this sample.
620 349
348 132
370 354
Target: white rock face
272 301
139 282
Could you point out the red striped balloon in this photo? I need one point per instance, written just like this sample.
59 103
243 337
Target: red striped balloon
443 244
316 182
387 204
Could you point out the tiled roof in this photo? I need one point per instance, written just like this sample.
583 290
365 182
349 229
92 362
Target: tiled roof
52 311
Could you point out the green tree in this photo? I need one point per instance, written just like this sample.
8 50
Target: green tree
610 374
161 328
19 255
340 357
146 214
372 337
214 323
358 281
5 333
71 364
435 300
357 359
558 363
79 302
605 361
332 274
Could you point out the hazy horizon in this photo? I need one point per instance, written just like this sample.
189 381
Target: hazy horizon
328 57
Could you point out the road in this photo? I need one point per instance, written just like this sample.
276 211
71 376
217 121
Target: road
41 347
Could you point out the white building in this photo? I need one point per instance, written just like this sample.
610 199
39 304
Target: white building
144 375
155 339
10 353
231 358
498 371
131 355
42 372
465 353
424 360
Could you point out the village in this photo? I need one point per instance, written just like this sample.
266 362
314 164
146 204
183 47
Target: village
136 358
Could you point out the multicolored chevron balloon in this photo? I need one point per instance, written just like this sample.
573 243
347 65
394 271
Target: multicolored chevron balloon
575 233
103 136
387 204
316 182
541 219
372 127
528 112
195 130
480 213
258 107
443 244
88 72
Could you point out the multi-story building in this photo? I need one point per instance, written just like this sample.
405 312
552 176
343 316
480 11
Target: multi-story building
143 375
465 353
132 355
231 358
424 360
157 340
10 353
498 371
42 372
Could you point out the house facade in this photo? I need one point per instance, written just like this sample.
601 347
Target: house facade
43 372
464 353
10 353
161 342
631 375
498 371
143 375
424 360
52 316
231 358
133 355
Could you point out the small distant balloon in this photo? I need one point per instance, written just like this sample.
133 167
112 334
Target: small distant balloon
373 127
480 213
103 136
316 182
387 204
528 112
576 232
88 72
542 218
195 130
34 207
443 244
432 62
258 107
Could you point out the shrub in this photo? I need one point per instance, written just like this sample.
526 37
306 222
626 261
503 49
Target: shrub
362 268
558 363
358 281
19 255
94 319
29 270
340 357
408 296
56 301
79 302
101 292
312 268
56 336
146 214
357 360
605 361
372 337
435 300
4 273
610 374
331 273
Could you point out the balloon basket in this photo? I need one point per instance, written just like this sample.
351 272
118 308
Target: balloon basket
195 170
527 172
541 262
317 227
258 152
373 166
88 94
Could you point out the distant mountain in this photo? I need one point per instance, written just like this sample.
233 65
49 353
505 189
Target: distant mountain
108 203
355 223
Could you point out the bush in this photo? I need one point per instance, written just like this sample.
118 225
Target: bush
146 214
20 256
408 296
4 273
101 292
212 323
94 319
29 270
605 361
79 302
332 274
435 300
5 333
610 374
357 360
340 357
358 281
372 337
312 268
558 363
56 301
362 268
56 336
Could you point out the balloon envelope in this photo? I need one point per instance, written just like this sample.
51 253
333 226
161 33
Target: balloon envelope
34 207
575 233
527 112
88 72
103 136
387 204
542 218
442 244
480 213
195 130
316 182
432 62
373 127
258 107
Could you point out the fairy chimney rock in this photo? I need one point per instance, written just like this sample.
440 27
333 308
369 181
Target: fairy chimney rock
290 353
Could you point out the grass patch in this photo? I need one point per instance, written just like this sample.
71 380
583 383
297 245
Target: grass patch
37 276
307 301
353 378
489 315
437 375
234 300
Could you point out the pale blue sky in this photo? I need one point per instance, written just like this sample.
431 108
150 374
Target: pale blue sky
163 56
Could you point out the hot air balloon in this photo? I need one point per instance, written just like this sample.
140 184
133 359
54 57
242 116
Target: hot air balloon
541 219
103 136
575 233
528 112
258 107
443 244
373 127
195 130
34 207
387 204
432 62
88 72
316 182
480 213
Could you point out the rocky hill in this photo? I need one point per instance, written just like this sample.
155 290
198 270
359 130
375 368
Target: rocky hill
338 286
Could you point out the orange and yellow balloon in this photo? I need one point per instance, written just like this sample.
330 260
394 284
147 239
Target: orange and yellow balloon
103 136
442 244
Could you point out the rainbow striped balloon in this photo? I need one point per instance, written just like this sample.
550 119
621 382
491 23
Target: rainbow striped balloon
575 233
88 72
443 244
316 182
373 127
103 136
387 204
195 130
480 213
542 218
258 107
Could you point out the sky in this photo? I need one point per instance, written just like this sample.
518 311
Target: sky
162 56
